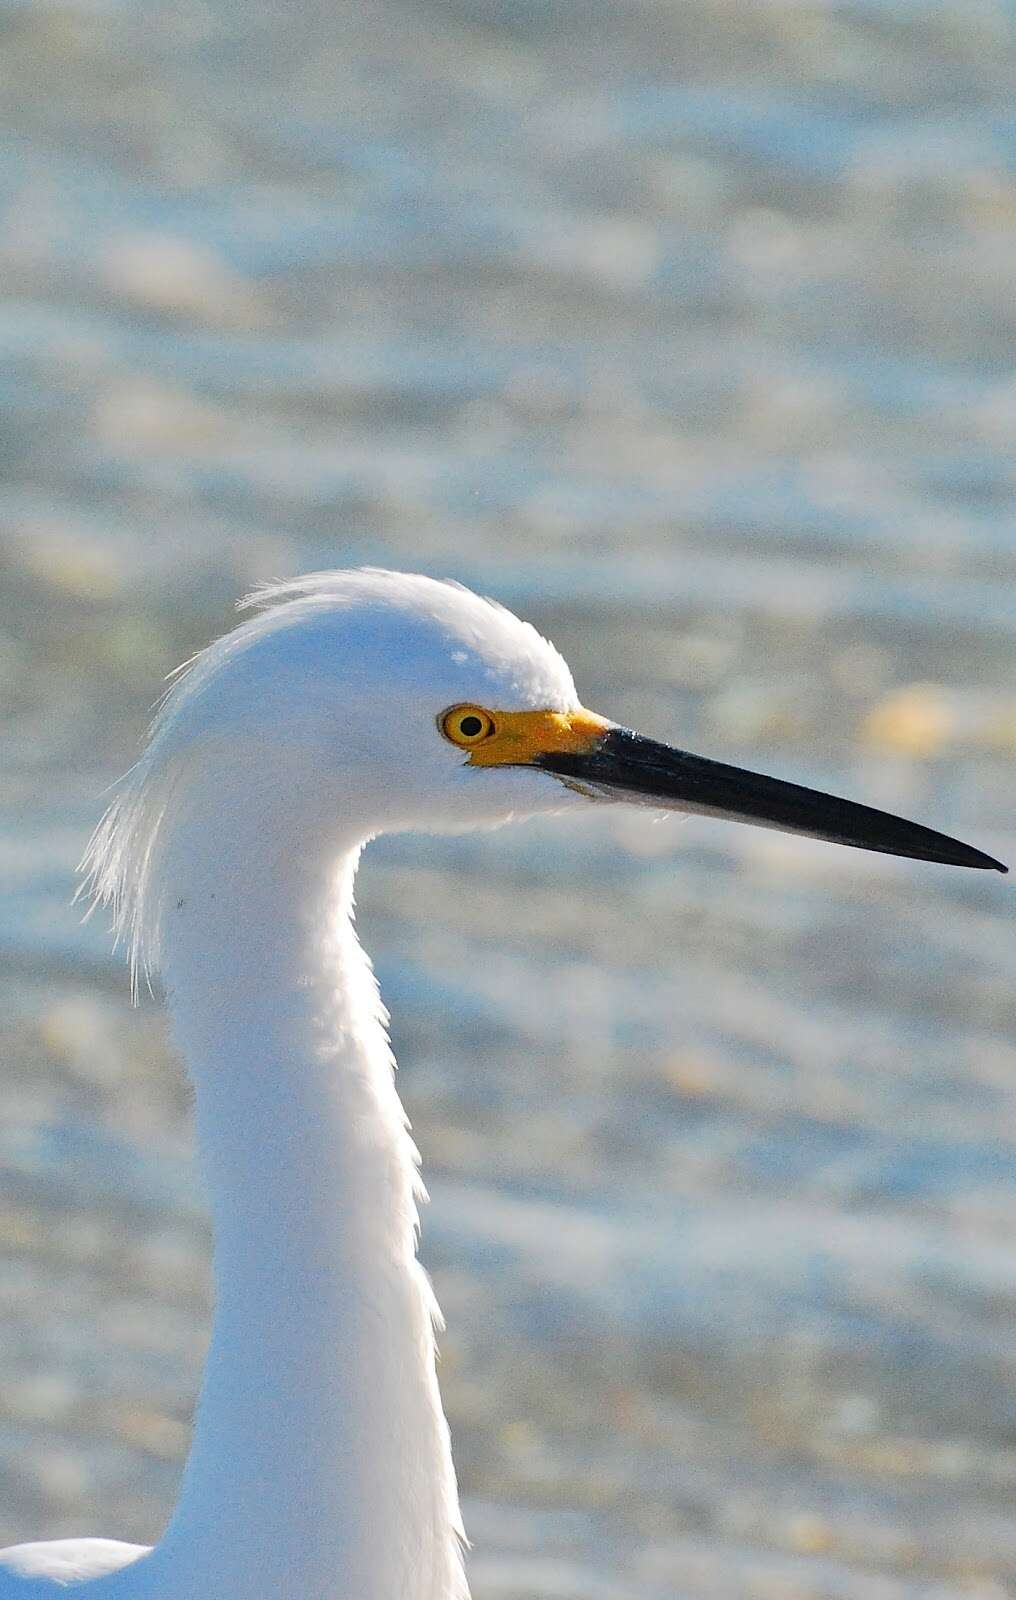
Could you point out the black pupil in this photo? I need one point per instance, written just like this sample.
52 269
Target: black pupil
469 727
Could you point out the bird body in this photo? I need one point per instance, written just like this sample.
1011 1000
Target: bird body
347 705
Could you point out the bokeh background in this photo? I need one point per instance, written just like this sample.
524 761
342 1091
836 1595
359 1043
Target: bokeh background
687 330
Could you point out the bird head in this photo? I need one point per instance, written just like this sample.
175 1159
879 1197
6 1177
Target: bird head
356 703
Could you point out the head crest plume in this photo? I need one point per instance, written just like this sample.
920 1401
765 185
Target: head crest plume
118 865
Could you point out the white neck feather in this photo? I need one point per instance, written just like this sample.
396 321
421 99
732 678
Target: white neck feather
320 1466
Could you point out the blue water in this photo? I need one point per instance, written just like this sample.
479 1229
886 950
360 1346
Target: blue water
686 331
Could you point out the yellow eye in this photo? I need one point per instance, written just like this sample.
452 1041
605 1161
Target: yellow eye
466 725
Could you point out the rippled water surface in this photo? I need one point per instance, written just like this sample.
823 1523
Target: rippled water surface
687 330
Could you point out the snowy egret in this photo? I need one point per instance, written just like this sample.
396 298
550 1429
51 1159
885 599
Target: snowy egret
346 705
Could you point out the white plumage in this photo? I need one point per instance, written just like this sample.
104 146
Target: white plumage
320 1467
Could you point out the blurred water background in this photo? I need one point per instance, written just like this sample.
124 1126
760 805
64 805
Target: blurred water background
687 330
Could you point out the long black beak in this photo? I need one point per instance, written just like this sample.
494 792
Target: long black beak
625 766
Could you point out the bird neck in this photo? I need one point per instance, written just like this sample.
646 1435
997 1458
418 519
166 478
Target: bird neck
320 1464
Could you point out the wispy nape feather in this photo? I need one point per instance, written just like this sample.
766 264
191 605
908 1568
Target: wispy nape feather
117 863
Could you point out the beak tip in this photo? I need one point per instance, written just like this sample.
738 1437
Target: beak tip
966 855
986 863
980 858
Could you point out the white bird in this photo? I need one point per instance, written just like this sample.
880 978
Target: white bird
348 704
